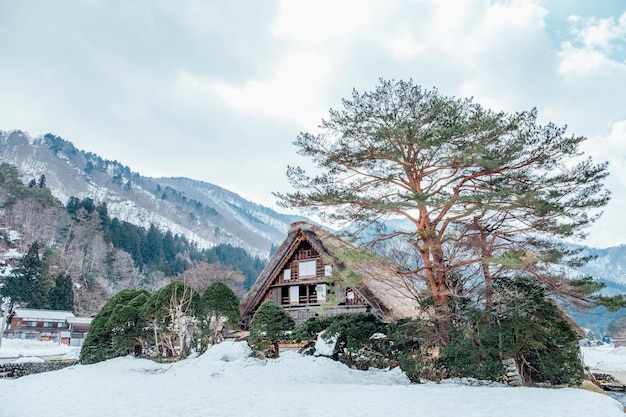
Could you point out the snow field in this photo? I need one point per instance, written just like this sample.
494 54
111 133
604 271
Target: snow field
225 381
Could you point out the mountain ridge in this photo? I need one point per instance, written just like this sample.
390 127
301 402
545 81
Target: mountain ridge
205 213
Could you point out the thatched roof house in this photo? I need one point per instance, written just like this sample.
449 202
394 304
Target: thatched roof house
315 273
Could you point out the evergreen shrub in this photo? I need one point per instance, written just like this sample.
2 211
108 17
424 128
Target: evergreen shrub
269 325
525 326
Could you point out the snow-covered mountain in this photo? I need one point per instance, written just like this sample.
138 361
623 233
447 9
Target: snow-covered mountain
205 213
609 264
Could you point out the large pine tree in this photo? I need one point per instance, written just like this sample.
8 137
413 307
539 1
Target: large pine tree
485 194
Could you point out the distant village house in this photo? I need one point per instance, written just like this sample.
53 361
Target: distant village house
47 325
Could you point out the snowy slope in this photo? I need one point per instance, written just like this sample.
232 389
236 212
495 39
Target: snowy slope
226 382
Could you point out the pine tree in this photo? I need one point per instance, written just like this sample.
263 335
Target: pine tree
30 283
61 296
72 205
525 326
484 192
268 326
117 330
219 306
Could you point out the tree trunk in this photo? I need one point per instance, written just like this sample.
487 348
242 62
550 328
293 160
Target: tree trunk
485 253
437 275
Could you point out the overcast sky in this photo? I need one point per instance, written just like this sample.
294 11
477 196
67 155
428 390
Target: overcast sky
218 90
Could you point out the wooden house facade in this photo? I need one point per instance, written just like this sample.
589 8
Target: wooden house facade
47 325
310 275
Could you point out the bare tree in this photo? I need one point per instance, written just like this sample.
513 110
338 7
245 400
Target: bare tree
169 313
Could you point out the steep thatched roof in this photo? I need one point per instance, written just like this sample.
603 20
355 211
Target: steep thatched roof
390 294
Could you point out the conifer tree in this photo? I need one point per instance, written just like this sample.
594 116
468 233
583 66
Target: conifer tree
30 283
268 326
219 306
117 329
62 294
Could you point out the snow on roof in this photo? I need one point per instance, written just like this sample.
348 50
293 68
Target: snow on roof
79 320
27 313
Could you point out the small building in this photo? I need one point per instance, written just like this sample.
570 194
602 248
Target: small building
47 325
314 273
77 330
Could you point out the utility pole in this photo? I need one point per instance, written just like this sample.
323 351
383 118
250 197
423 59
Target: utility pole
2 324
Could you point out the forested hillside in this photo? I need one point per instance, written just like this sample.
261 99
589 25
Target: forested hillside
99 253
206 214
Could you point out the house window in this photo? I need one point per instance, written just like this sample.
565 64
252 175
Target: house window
328 270
320 289
31 324
307 268
294 294
287 274
47 324
60 324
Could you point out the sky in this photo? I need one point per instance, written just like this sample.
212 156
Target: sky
218 91
225 381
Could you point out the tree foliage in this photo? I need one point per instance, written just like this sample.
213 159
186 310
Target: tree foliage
61 296
526 327
30 283
117 329
154 249
361 341
219 306
170 313
14 188
269 325
350 332
135 322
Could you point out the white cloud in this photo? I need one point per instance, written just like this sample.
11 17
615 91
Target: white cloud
290 92
475 27
595 48
617 137
599 33
577 62
320 35
322 21
404 45
611 148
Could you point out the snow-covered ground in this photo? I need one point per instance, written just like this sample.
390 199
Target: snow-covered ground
33 351
605 358
225 381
